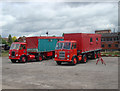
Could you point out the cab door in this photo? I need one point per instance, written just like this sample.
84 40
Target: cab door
23 50
74 49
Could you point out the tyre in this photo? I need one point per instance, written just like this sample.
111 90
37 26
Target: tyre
94 56
84 58
58 62
23 59
40 58
98 54
13 60
74 60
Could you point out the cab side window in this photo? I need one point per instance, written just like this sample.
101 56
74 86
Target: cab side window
22 47
73 45
91 40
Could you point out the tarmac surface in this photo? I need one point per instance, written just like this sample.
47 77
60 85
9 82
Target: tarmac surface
48 75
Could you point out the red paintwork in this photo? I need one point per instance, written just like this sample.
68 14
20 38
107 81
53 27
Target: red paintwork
33 41
31 57
48 53
79 57
19 52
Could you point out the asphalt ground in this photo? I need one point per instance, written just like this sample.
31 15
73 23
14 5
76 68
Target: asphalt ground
48 75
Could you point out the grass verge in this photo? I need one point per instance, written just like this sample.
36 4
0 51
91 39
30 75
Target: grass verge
111 53
4 53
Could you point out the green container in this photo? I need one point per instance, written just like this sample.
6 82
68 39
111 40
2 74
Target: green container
46 45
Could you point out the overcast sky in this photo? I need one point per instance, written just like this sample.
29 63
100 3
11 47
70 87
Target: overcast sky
34 19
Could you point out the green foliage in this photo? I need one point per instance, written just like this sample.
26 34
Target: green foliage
14 38
63 35
111 53
4 41
4 53
10 39
0 39
53 36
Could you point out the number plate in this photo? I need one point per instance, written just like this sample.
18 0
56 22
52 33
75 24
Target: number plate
61 58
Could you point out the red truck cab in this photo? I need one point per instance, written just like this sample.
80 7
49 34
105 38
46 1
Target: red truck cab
66 51
16 51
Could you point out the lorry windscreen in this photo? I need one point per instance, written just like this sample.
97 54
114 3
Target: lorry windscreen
65 45
15 46
59 46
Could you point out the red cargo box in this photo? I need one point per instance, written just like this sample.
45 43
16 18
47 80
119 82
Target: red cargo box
85 42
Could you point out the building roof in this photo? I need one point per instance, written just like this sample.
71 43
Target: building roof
103 31
109 34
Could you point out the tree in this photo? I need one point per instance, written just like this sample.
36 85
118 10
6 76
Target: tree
53 36
10 39
63 35
4 41
14 38
0 39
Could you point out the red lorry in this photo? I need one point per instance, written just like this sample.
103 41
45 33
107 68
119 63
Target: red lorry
35 48
77 47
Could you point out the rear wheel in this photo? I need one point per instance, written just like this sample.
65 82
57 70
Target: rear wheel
98 54
40 58
58 62
84 58
13 60
94 56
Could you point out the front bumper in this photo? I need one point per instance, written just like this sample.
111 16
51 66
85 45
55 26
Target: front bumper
63 60
14 57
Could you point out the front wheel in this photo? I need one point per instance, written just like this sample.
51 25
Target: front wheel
74 61
13 60
23 59
58 62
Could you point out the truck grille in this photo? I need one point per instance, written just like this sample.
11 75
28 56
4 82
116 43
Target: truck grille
61 54
13 53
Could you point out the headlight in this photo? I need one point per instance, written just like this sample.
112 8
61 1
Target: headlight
56 55
16 54
68 56
9 54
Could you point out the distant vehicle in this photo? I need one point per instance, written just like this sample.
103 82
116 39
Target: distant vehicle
38 48
6 47
77 47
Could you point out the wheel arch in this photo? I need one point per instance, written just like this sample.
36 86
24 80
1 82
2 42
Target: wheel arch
24 56
75 57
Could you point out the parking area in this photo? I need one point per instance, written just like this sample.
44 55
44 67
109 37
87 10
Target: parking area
48 75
